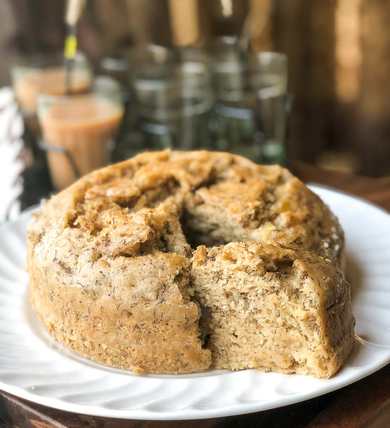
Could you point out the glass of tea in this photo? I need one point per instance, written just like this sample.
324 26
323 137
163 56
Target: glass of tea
78 130
45 74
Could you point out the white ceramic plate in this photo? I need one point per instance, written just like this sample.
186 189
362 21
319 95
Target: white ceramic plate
34 368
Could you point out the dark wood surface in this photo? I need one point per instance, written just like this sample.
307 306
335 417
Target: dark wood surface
363 404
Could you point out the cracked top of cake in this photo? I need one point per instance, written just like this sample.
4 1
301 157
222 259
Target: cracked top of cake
171 202
126 263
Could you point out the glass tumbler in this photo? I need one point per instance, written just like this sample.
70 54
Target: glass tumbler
78 130
240 80
174 100
43 74
268 78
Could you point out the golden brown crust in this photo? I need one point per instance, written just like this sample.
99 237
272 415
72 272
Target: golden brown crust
110 258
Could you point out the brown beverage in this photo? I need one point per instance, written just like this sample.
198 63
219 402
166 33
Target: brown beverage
82 125
51 81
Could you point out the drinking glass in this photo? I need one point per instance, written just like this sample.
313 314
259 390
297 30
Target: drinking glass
243 82
44 74
174 98
268 78
78 130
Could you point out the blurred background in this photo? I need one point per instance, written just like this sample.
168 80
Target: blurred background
338 58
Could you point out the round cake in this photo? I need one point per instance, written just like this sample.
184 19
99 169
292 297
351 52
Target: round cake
177 262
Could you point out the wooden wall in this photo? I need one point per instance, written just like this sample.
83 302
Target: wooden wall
339 55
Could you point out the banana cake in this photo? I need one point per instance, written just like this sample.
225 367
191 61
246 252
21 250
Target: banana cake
178 262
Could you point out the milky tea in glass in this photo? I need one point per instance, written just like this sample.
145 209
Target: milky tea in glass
78 132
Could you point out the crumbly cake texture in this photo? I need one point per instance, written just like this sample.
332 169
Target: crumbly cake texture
176 262
273 308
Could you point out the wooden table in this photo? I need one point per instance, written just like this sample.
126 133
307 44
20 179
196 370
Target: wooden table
363 404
